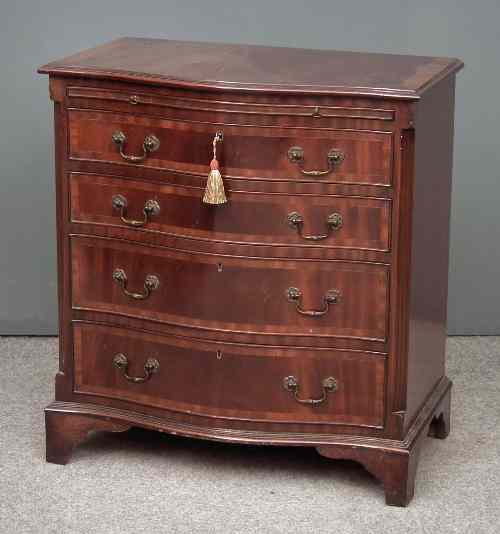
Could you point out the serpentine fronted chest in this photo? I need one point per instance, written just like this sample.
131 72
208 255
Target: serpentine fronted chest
296 295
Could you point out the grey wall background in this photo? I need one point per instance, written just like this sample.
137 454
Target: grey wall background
32 33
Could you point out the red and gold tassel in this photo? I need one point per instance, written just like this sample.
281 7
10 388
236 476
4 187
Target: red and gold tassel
214 191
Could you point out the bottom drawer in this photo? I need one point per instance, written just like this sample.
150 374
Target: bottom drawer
230 380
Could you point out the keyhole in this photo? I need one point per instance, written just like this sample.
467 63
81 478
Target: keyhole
219 267
219 355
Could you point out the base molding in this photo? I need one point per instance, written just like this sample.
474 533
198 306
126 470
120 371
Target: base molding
392 461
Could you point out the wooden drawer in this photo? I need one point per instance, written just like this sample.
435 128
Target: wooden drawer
234 294
242 108
248 218
230 380
247 151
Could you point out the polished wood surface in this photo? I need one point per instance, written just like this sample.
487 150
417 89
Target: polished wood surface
221 323
249 218
430 243
230 381
65 432
256 152
233 294
307 112
247 67
393 462
397 467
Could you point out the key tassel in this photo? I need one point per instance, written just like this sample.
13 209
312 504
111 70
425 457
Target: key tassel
214 191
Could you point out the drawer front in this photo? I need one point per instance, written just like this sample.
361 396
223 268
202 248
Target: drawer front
230 380
249 218
255 152
235 294
241 109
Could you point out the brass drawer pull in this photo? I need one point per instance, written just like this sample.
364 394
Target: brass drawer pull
330 385
333 222
295 295
151 144
151 283
334 157
151 207
120 361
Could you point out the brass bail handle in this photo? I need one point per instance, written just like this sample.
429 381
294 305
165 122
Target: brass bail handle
294 295
333 222
151 207
151 283
291 383
334 158
151 366
150 144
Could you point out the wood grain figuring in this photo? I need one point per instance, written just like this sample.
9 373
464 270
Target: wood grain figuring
228 336
432 412
252 68
135 98
225 111
393 462
221 324
306 110
255 152
216 378
247 218
232 294
237 185
260 100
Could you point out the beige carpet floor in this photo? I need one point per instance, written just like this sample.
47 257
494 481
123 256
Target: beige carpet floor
144 482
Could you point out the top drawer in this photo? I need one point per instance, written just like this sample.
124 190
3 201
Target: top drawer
267 153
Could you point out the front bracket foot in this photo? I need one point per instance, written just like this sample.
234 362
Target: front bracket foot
64 431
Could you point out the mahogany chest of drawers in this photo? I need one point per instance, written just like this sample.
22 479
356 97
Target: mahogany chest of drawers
307 310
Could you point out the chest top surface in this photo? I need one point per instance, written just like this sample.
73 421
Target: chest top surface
256 68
